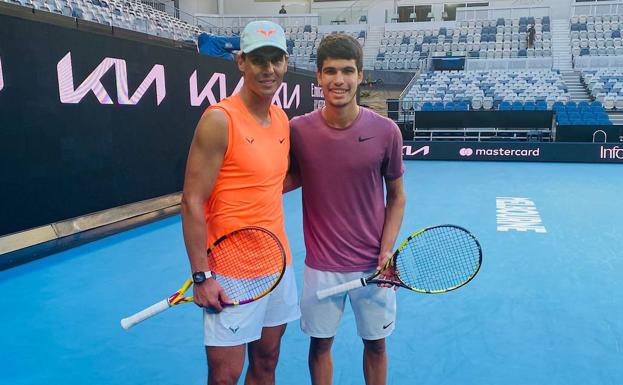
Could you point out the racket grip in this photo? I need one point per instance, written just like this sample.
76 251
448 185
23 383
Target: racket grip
142 315
357 283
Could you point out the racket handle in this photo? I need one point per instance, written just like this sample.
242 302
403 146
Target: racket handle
357 283
142 315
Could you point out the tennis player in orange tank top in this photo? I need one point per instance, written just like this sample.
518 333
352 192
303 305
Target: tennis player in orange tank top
236 167
249 185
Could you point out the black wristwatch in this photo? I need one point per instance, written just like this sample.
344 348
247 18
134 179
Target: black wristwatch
201 276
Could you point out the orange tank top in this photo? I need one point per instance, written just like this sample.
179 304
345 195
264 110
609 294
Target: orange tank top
248 189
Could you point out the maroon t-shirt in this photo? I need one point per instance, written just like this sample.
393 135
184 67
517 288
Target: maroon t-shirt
342 173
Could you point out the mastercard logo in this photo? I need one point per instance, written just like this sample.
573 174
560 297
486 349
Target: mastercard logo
466 152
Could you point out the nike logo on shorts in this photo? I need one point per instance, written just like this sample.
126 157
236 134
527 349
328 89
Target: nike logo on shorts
388 325
234 330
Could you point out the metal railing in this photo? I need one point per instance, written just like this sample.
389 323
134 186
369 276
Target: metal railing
356 13
597 8
235 23
491 13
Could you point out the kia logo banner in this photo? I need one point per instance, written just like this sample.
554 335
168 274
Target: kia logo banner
101 121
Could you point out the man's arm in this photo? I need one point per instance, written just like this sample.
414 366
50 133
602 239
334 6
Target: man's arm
292 181
205 158
394 212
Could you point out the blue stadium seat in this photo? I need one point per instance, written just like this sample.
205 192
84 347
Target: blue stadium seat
574 116
77 12
462 106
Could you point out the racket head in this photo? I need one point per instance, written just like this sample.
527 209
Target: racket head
437 259
248 263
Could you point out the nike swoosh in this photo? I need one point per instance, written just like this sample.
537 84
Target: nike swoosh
362 139
388 325
281 140
234 330
250 140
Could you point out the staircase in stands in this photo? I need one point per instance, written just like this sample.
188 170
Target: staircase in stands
561 45
372 45
576 88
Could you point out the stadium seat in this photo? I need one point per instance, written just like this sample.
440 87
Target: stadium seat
609 102
529 106
438 106
477 103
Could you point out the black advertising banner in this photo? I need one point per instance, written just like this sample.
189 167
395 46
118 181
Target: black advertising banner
521 151
588 133
90 122
473 119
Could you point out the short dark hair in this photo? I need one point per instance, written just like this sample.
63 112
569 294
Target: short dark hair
339 46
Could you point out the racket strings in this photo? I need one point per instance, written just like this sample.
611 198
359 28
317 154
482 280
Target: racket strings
248 263
439 259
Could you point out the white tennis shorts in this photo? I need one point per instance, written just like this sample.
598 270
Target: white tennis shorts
374 307
237 325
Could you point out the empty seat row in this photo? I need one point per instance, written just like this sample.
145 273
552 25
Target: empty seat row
490 89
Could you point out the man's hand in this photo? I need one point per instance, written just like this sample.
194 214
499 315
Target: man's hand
210 294
389 273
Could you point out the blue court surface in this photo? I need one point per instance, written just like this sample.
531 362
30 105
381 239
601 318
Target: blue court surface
546 307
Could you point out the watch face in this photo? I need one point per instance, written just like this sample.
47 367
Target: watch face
199 277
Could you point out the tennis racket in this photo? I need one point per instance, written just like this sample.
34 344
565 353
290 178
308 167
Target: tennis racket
248 263
433 260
